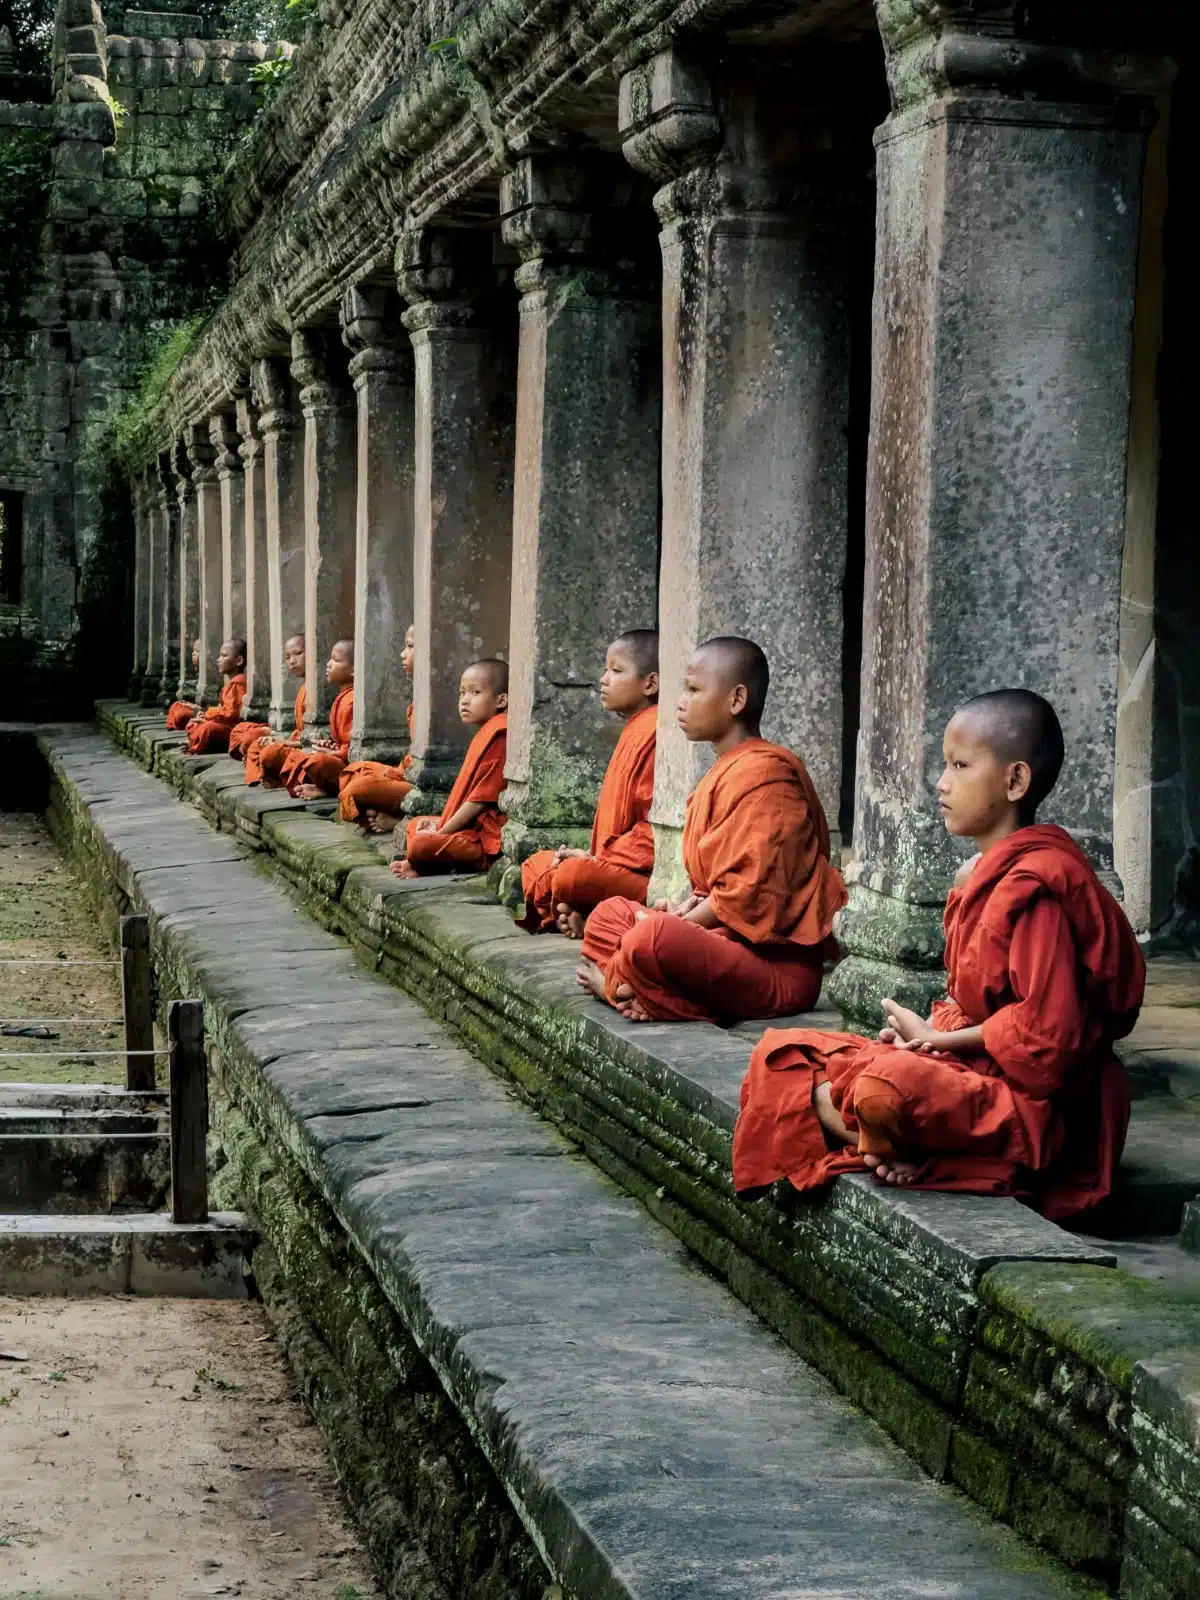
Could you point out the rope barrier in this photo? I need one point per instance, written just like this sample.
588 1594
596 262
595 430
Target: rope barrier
73 1055
40 961
61 1022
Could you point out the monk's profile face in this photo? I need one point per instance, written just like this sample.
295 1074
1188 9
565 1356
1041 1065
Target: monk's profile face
478 699
622 688
293 655
977 791
409 653
195 654
710 706
230 658
339 669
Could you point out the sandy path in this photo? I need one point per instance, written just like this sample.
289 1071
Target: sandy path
157 1448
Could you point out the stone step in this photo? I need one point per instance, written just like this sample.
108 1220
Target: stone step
1189 1230
75 1124
144 1254
62 1173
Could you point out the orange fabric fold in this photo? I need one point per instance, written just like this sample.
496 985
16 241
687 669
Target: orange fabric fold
179 714
1041 957
323 767
244 735
211 730
480 781
265 757
371 786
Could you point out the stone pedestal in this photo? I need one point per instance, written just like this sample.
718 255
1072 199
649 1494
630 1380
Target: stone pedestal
330 461
1005 267
189 569
156 565
257 705
143 513
224 436
201 457
756 214
283 490
585 504
465 363
168 515
381 369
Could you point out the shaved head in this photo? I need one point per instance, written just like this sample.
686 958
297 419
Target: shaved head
1019 725
239 646
641 644
346 646
296 642
496 670
740 661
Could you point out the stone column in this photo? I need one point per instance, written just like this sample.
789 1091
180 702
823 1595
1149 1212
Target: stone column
585 505
283 490
330 487
257 705
156 611
142 513
381 369
462 533
201 457
1008 202
189 569
756 213
168 515
222 431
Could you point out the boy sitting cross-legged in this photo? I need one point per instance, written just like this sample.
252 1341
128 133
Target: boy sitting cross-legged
1012 1085
209 731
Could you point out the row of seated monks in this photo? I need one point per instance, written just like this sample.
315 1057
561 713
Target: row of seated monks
1010 1087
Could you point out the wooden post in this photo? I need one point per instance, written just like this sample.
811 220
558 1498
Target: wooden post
136 993
189 1111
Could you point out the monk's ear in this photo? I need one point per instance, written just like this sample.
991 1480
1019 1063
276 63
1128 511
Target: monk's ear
650 686
738 697
502 700
1019 779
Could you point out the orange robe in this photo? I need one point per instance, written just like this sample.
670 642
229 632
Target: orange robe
246 734
179 714
265 757
322 767
374 786
1042 957
621 856
756 844
210 731
480 780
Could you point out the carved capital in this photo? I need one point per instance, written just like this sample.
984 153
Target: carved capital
181 473
160 483
667 116
200 453
545 209
247 426
370 327
444 267
224 436
320 393
271 396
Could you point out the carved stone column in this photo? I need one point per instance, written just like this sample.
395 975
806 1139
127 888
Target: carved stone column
201 457
585 505
140 495
756 363
462 534
257 705
189 569
381 369
330 462
168 515
222 431
156 542
283 487
1009 185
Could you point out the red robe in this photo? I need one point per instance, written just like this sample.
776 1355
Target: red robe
480 781
621 855
756 844
210 731
1042 956
179 714
265 757
322 767
374 786
246 734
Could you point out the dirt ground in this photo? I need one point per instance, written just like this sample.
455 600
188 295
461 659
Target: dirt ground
44 913
157 1450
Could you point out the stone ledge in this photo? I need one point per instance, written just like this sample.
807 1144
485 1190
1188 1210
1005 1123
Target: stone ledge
456 1263
901 1300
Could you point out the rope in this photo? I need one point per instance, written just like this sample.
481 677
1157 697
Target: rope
38 961
72 1055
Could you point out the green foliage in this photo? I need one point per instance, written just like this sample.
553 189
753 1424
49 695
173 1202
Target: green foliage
270 76
164 355
447 47
31 23
25 174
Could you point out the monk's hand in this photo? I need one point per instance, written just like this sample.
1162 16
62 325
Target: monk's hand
566 853
907 1028
427 825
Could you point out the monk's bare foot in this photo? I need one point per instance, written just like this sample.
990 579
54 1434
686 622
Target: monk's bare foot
570 923
378 822
628 1004
829 1116
309 791
401 869
889 1170
588 976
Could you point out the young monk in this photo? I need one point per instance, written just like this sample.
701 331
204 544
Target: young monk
181 712
562 886
372 793
265 757
1011 1086
308 772
466 837
247 734
752 937
209 732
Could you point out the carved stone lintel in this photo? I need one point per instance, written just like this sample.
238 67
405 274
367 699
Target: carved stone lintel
223 434
667 117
